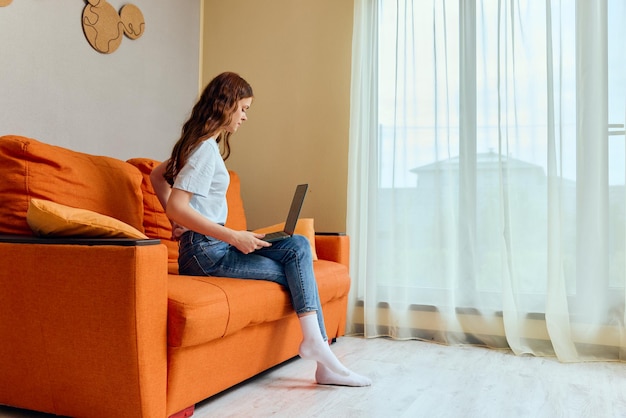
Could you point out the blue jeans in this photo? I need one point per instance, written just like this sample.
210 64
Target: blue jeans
288 262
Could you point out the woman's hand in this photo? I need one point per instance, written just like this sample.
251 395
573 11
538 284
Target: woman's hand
248 242
177 231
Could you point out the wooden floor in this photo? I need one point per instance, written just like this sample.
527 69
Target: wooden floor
420 379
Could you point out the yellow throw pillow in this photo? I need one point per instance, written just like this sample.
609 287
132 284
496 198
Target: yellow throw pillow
303 227
50 219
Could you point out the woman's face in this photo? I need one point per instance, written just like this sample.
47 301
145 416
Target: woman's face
239 116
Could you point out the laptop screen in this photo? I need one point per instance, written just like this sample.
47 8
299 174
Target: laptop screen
294 211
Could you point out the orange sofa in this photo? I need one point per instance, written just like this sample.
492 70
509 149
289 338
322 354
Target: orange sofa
105 327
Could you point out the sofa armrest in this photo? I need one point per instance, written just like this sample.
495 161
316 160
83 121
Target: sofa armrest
31 239
83 327
333 246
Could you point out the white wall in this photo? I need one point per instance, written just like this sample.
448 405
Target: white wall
56 88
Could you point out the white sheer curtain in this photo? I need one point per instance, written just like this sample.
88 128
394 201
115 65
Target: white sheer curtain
487 199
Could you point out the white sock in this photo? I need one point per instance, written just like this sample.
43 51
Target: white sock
325 376
313 346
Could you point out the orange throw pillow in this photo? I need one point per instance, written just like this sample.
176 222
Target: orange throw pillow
50 219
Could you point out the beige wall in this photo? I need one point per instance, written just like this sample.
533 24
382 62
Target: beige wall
296 55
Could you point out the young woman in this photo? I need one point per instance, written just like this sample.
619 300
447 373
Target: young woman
192 186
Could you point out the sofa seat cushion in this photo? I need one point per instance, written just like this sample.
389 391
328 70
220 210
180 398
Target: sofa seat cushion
201 309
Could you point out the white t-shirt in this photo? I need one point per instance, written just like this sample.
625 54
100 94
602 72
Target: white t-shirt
205 176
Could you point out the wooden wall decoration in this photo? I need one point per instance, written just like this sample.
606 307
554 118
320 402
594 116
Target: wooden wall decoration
5 2
104 27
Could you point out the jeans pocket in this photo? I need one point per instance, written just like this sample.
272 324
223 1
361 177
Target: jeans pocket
200 255
191 267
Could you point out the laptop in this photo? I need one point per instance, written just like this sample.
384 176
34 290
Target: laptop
292 217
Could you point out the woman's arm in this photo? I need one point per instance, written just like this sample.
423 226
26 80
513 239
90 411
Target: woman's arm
163 190
180 212
159 184
177 208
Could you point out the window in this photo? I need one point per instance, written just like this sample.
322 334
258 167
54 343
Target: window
495 178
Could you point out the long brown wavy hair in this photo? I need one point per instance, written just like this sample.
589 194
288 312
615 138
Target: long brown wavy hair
212 112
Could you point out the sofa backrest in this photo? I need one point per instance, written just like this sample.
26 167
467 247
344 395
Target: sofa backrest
122 190
32 169
155 222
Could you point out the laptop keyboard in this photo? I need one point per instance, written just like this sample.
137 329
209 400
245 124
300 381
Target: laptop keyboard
273 235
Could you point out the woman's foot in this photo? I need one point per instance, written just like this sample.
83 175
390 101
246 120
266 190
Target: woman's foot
325 376
318 350
313 346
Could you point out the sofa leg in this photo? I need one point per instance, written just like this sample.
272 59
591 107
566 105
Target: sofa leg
187 412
